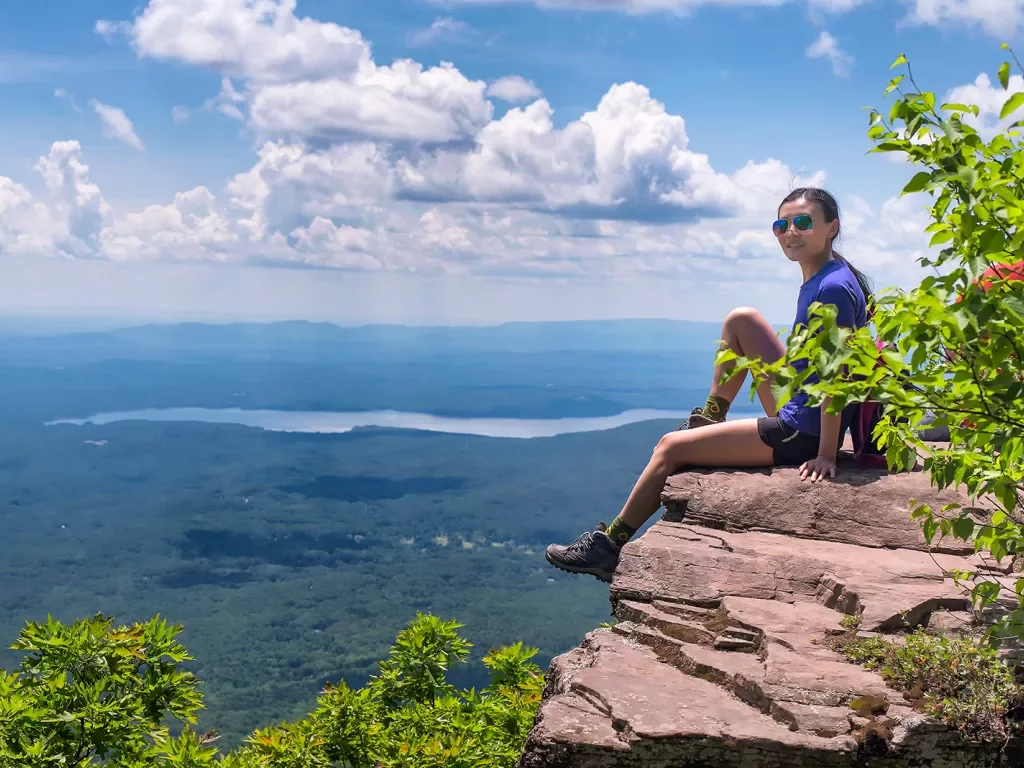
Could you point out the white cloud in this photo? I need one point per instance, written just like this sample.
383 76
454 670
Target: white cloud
441 30
886 243
989 99
639 7
628 159
231 111
196 228
998 18
290 185
827 47
513 89
15 228
261 40
334 209
400 102
189 229
227 101
12 196
835 6
61 93
323 243
116 124
180 114
309 78
66 222
79 208
108 30
400 168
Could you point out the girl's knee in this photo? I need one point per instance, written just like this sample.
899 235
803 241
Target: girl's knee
742 315
669 448
667 440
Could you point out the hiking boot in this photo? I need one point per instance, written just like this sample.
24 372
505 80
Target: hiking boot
697 419
593 552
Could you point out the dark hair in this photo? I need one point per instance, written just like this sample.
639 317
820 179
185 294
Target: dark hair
830 208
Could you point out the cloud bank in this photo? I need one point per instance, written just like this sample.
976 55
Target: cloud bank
372 167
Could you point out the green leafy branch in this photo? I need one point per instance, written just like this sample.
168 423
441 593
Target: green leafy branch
952 346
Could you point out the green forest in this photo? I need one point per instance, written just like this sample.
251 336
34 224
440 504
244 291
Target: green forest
294 559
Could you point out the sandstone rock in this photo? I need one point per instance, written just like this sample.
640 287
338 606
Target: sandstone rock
865 507
625 707
720 655
889 587
826 722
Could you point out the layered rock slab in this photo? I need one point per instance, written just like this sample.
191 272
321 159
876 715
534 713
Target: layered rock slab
614 702
719 657
864 507
890 588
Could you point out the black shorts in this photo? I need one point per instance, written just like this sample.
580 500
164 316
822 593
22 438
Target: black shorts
789 446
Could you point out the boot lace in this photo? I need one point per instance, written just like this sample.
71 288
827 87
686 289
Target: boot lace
583 542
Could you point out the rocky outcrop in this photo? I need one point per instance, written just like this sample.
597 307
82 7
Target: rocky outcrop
719 655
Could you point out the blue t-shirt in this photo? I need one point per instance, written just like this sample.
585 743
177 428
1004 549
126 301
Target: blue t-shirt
834 284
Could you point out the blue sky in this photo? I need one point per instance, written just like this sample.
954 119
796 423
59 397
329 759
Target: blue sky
453 162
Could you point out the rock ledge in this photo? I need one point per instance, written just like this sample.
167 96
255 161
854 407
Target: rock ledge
718 657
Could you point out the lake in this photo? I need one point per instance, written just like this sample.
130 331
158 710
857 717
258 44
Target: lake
330 421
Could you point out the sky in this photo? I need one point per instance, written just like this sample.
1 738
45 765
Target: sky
456 161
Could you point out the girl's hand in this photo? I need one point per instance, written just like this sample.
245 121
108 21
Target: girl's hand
817 469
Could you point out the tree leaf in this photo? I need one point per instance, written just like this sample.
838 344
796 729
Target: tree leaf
919 182
963 527
1004 75
1011 105
893 84
1015 304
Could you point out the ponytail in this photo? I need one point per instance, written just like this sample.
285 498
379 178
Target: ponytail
862 280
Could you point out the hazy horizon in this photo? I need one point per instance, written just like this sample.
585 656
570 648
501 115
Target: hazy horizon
71 321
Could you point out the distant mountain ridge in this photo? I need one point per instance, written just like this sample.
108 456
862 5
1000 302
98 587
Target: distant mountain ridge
301 340
517 370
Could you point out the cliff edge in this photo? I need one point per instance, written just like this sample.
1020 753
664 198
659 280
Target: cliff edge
718 657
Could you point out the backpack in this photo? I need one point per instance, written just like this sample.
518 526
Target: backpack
866 452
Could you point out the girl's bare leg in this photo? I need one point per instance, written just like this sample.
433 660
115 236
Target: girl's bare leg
749 334
732 443
728 444
717 443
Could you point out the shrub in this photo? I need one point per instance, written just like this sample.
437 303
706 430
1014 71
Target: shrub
952 678
90 692
95 694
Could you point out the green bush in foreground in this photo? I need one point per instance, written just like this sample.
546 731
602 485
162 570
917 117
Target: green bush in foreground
95 694
954 678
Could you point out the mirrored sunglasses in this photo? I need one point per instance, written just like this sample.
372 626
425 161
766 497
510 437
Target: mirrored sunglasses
801 222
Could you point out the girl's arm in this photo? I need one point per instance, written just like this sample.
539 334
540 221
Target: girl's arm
824 464
828 444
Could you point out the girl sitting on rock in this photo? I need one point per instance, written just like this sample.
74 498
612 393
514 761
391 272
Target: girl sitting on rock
798 435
